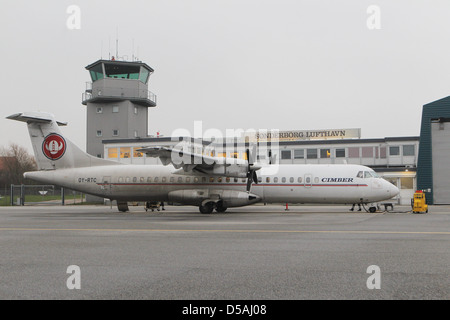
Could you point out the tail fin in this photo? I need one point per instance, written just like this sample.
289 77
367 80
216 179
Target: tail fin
51 149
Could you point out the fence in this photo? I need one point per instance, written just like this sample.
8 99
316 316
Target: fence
39 195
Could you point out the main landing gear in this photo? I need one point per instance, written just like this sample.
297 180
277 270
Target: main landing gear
209 207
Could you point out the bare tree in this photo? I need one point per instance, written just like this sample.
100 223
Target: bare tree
15 161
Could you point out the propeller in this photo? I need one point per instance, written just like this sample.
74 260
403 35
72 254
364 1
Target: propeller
251 170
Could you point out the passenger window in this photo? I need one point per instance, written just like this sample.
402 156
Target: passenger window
291 179
211 179
308 179
227 179
268 179
300 179
149 179
180 179
127 179
141 179
283 180
219 179
259 180
163 179
275 179
195 179
172 179
203 179
156 179
134 179
120 179
188 179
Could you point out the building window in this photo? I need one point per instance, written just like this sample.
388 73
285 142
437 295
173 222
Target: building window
311 153
115 109
99 110
112 153
137 154
115 133
340 153
394 151
409 150
135 110
407 183
353 152
285 154
367 152
299 154
136 134
99 133
125 152
325 153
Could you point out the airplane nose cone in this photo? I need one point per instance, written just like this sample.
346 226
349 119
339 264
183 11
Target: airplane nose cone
394 190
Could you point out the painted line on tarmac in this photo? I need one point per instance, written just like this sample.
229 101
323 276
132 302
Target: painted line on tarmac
230 231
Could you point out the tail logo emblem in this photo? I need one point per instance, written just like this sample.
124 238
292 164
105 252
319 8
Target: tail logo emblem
54 146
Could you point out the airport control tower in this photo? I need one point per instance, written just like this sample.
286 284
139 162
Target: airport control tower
117 102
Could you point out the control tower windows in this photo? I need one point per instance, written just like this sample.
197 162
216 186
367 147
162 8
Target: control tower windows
144 75
121 71
96 72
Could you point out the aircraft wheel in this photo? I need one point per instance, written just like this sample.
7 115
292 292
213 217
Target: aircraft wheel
372 209
221 209
207 208
122 206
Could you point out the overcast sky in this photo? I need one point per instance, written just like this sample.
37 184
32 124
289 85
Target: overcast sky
233 64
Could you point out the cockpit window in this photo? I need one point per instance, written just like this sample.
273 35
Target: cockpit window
374 174
367 174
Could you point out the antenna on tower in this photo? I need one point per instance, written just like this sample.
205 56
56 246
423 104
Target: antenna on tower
117 42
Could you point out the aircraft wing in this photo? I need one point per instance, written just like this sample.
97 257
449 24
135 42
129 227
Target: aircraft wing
199 163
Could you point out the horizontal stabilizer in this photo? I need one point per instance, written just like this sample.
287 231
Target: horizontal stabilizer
35 117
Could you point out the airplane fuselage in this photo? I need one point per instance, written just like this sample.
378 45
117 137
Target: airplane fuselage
277 184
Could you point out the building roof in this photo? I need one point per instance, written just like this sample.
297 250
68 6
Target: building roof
124 63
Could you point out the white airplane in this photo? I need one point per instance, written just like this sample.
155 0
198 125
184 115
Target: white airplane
211 183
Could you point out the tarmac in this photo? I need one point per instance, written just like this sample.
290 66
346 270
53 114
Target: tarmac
252 253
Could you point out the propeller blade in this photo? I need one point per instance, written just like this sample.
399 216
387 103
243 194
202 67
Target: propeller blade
249 184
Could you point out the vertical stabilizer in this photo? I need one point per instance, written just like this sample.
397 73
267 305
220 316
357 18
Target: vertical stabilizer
51 149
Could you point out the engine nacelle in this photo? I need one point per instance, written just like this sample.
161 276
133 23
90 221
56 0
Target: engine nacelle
236 170
229 198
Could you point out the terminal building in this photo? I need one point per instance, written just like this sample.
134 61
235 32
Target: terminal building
117 100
